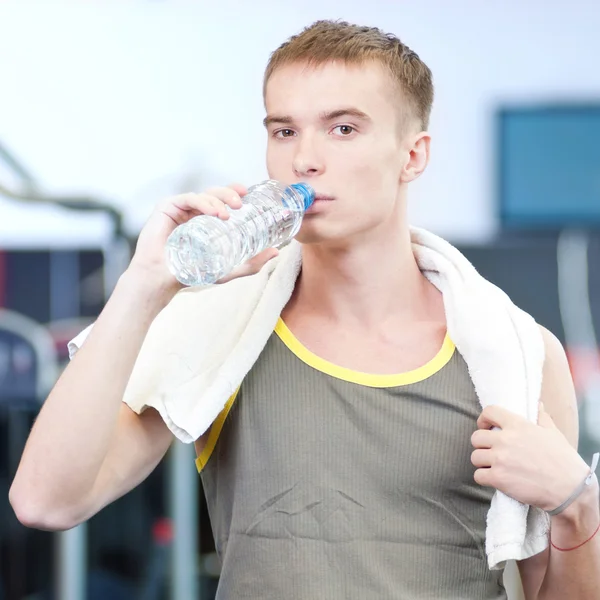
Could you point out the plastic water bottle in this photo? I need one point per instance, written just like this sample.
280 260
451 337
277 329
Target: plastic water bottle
206 248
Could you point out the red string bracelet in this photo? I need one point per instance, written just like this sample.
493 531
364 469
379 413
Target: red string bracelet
579 546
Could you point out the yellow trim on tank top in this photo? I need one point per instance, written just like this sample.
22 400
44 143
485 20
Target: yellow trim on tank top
367 379
381 381
214 433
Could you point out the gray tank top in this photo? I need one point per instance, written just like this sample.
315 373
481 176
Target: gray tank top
325 483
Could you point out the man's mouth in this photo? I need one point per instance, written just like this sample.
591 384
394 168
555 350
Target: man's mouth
320 200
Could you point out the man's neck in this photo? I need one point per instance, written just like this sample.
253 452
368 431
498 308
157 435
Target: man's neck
366 285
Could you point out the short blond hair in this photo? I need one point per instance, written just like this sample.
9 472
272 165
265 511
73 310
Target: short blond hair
329 41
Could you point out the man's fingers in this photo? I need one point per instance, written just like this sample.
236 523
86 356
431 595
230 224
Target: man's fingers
254 265
484 477
484 438
482 458
213 203
496 416
227 195
242 190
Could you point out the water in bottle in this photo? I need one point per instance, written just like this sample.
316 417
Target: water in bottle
206 248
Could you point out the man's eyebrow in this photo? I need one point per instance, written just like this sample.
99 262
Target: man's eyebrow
281 120
324 116
344 112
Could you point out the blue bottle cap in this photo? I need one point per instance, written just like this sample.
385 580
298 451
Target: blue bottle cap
308 194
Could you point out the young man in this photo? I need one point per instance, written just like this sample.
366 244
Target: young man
343 468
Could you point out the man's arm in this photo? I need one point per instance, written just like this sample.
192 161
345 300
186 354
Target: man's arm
86 447
552 574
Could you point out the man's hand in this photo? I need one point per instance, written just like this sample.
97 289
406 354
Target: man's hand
534 464
149 257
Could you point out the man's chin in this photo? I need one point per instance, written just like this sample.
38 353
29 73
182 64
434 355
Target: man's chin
313 234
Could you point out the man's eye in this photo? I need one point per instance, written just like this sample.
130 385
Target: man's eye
284 133
344 130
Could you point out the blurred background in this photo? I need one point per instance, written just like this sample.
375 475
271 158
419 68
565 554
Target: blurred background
106 107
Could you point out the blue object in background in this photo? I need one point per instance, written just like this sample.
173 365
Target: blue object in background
549 167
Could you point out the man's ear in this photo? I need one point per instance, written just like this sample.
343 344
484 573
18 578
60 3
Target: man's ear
418 157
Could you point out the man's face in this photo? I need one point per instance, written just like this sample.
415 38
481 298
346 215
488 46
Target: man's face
337 128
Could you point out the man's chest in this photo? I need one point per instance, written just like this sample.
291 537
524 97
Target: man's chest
377 352
296 422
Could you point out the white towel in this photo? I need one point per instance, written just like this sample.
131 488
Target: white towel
202 345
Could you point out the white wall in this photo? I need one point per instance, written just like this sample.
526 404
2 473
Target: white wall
128 99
